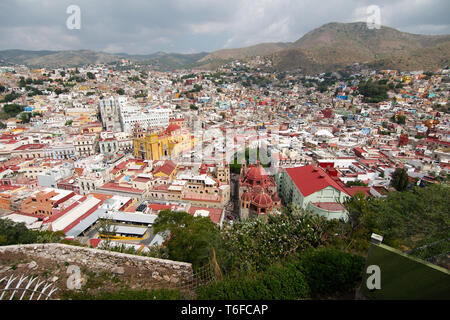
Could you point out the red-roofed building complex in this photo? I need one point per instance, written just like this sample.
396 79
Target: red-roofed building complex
311 188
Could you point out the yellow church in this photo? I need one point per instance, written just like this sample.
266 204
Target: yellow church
158 145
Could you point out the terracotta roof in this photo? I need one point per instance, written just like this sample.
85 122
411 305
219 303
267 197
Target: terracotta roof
166 168
158 207
214 214
142 179
173 127
116 187
310 179
94 242
355 189
163 187
256 173
32 146
262 200
331 206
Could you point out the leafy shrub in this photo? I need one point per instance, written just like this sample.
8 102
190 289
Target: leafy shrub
276 283
285 283
329 270
192 239
255 244
241 288
17 233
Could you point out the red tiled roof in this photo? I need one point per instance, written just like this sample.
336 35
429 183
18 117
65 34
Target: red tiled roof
158 207
115 186
331 206
214 214
262 200
142 179
355 189
32 146
94 242
201 197
163 187
310 179
166 168
173 127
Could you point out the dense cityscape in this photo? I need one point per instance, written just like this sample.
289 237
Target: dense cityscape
241 176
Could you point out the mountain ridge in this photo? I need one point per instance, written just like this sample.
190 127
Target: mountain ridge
329 47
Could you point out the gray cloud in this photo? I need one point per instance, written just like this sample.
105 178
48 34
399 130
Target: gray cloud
139 26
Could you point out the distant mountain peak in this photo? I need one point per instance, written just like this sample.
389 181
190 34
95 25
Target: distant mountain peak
329 47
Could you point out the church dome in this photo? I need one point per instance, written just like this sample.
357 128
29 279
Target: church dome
262 200
257 173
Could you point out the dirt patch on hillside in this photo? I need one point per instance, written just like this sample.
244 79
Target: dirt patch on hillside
92 281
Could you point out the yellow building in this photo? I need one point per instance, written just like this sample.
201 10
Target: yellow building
406 79
152 145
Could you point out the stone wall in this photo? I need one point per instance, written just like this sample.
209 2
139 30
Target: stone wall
160 270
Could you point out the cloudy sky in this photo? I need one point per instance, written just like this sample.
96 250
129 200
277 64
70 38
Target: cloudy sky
188 26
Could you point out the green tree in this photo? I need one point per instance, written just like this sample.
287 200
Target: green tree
356 206
401 119
107 230
25 117
412 218
191 239
22 83
373 91
11 97
120 91
90 75
400 179
13 109
17 233
329 271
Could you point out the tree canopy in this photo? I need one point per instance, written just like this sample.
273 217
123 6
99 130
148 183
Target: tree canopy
191 238
373 91
400 179
406 220
17 233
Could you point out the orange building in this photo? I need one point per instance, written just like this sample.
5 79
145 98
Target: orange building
43 202
6 194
